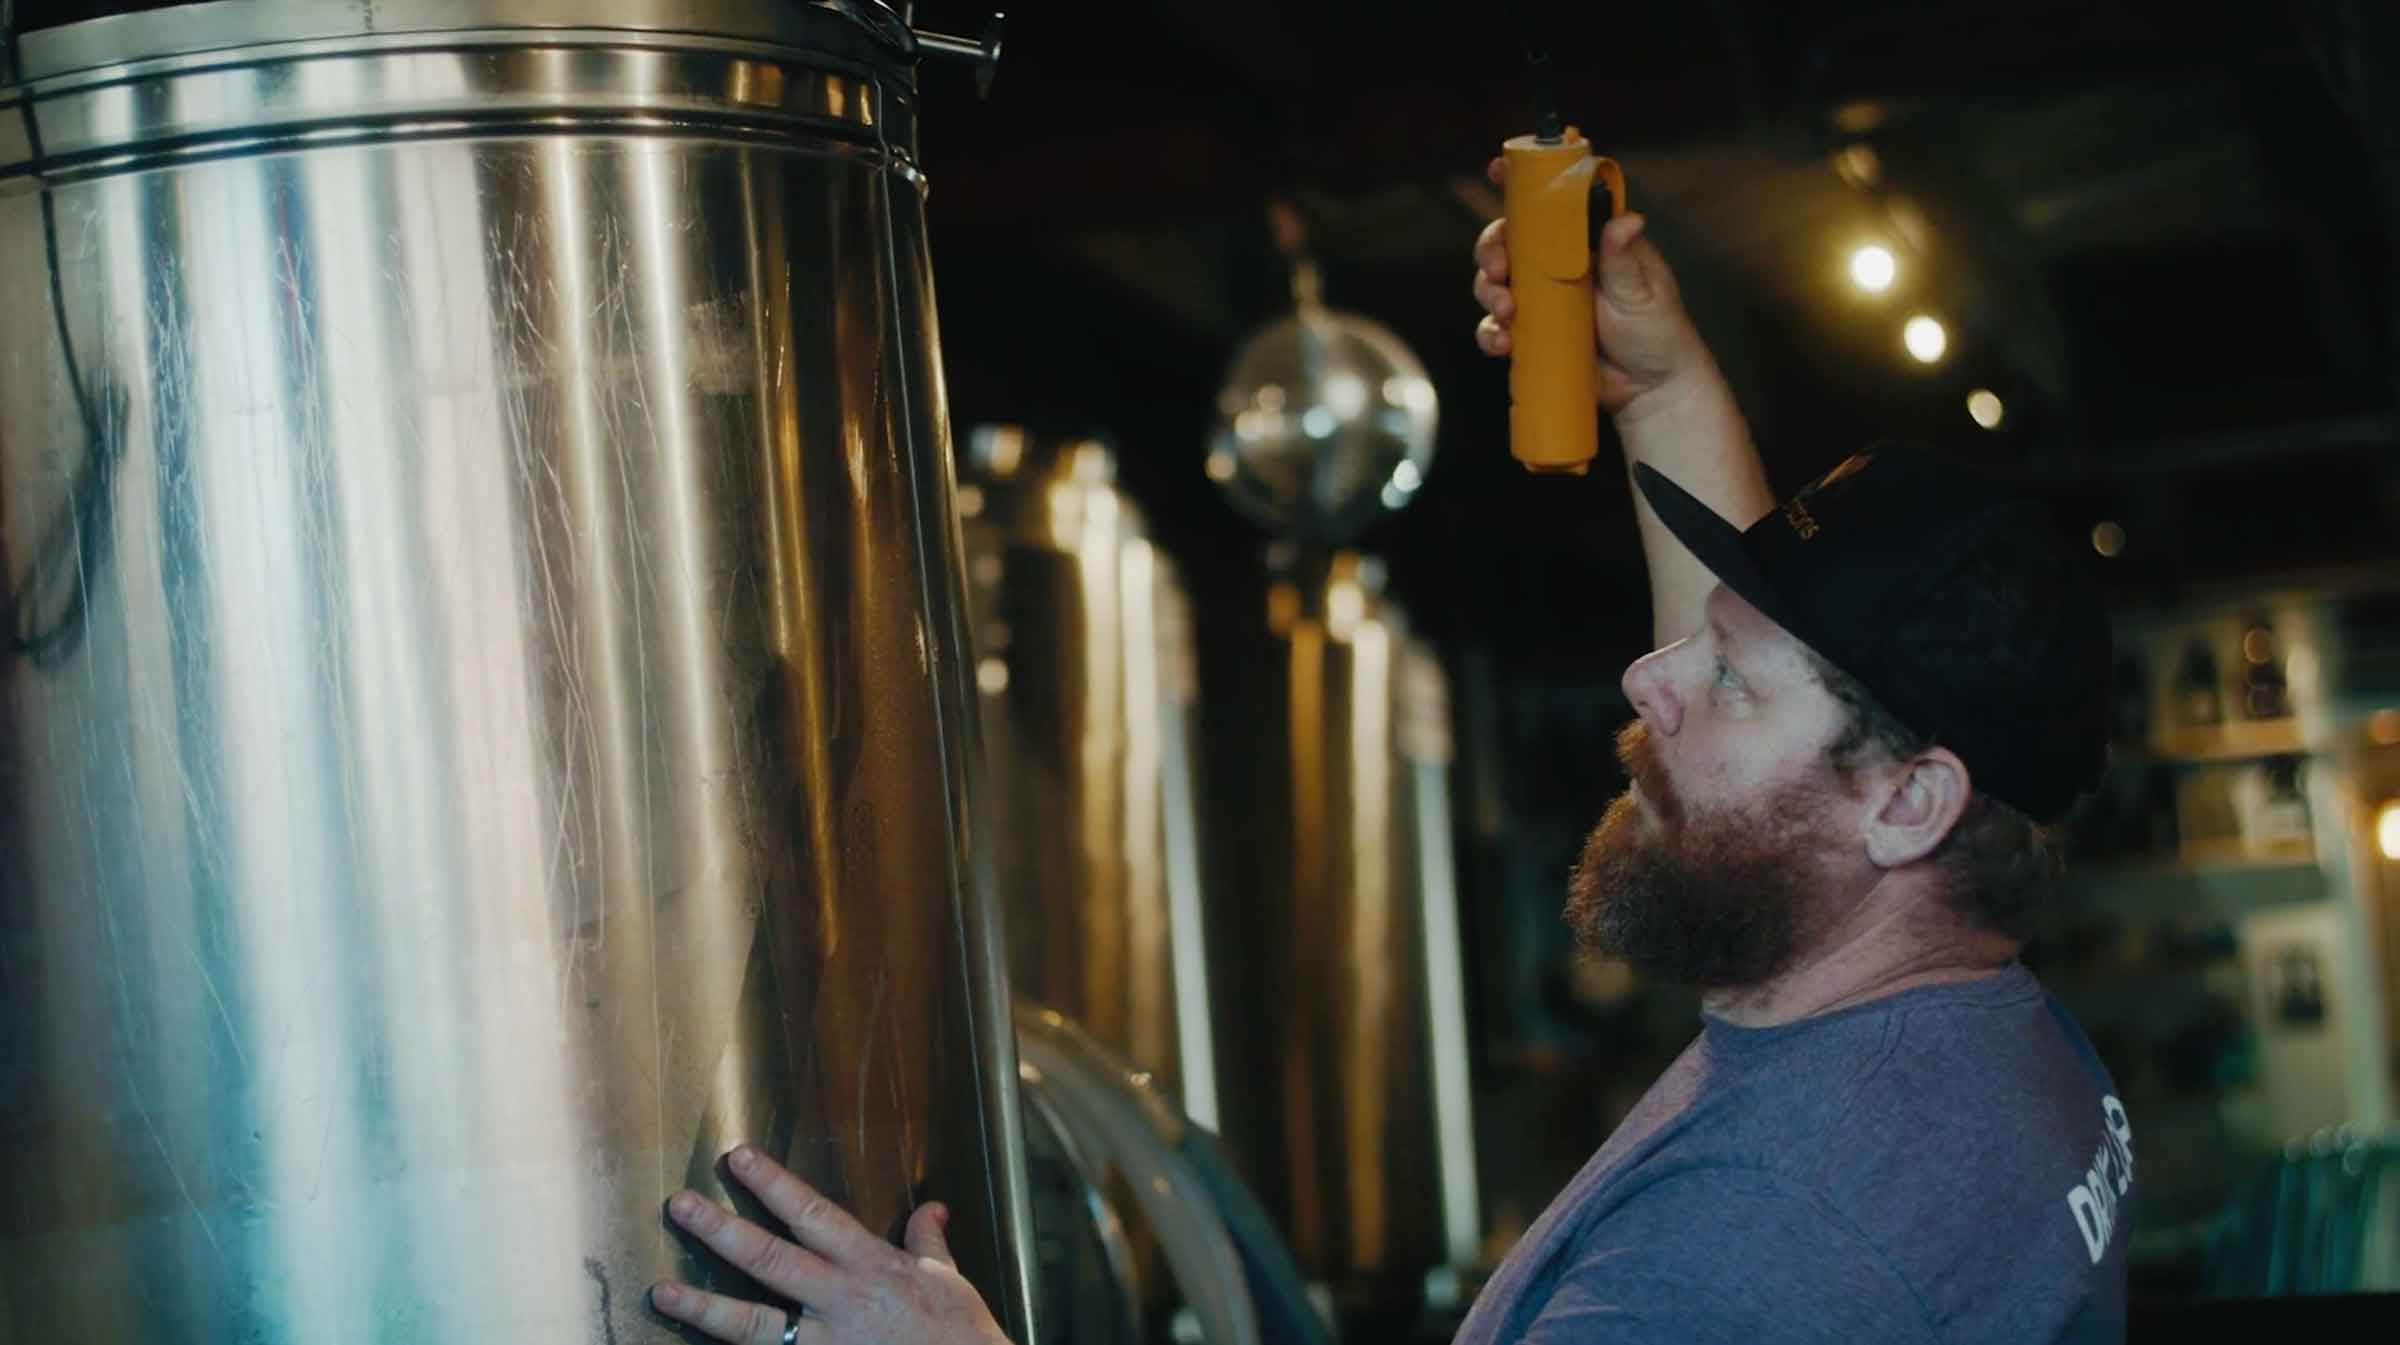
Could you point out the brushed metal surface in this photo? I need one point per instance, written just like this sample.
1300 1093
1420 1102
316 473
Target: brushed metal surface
485 724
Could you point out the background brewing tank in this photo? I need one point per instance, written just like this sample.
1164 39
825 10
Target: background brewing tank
1085 661
1350 1005
484 723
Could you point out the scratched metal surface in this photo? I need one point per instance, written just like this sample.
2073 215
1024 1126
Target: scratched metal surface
485 724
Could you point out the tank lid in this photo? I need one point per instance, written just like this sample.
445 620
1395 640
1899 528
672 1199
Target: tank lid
195 30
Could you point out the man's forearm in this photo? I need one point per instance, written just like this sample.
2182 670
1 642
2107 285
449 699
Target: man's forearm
1691 430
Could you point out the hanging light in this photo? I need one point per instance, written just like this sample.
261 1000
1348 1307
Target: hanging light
1983 405
1325 420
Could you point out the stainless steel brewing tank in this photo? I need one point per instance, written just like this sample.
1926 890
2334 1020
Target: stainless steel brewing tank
485 723
1345 1015
1085 664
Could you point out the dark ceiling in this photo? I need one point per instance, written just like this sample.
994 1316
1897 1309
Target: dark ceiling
2161 231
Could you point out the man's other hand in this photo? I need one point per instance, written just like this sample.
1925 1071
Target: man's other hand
853 1287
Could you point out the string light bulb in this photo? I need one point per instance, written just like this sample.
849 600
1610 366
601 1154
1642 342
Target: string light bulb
1873 268
1925 339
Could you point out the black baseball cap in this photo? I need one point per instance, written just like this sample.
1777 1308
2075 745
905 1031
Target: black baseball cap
1862 553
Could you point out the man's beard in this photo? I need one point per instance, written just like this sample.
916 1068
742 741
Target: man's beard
1713 897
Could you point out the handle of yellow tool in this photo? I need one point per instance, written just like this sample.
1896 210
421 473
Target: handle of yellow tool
1553 372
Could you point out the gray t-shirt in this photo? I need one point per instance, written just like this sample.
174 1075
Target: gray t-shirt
1945 1164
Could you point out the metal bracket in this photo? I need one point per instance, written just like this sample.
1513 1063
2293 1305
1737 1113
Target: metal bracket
983 50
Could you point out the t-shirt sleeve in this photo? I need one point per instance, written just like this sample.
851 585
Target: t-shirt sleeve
1728 1256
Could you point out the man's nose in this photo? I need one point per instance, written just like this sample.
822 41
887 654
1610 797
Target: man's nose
1653 696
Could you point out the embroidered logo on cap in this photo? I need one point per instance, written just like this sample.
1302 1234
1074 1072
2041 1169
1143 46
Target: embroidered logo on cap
1796 513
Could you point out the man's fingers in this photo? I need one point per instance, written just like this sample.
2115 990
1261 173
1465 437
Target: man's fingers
1495 298
1631 271
1491 251
927 1235
1497 170
731 1319
794 1272
1491 337
821 1225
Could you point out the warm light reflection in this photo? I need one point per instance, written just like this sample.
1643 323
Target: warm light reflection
1344 606
2383 727
1445 959
2108 538
1103 908
1168 630
1345 395
1371 956
1983 406
1002 448
1858 165
1151 1001
1415 394
2300 669
2387 830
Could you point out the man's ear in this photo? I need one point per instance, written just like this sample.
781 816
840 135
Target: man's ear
1923 798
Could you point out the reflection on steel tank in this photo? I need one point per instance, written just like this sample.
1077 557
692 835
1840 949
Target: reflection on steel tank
1084 661
1350 1019
485 723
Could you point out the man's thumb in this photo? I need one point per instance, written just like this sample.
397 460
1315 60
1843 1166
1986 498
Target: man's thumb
924 1237
1622 276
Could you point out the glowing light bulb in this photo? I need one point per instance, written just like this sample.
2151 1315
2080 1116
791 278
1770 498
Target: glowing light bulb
1983 405
2108 539
1873 268
2387 830
1925 338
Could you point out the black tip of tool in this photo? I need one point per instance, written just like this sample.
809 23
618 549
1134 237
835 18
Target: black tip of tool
1547 128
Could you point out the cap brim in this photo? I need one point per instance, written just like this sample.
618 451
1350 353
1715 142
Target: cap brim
1716 543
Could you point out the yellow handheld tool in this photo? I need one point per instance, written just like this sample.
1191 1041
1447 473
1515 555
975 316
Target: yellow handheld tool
1554 222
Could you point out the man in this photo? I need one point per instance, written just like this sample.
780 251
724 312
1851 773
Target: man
1866 702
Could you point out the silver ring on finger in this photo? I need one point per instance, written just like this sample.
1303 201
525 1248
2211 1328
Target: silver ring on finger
791 1326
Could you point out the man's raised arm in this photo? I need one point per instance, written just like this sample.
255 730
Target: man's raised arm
1672 405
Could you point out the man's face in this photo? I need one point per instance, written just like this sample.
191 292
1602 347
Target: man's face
1716 866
